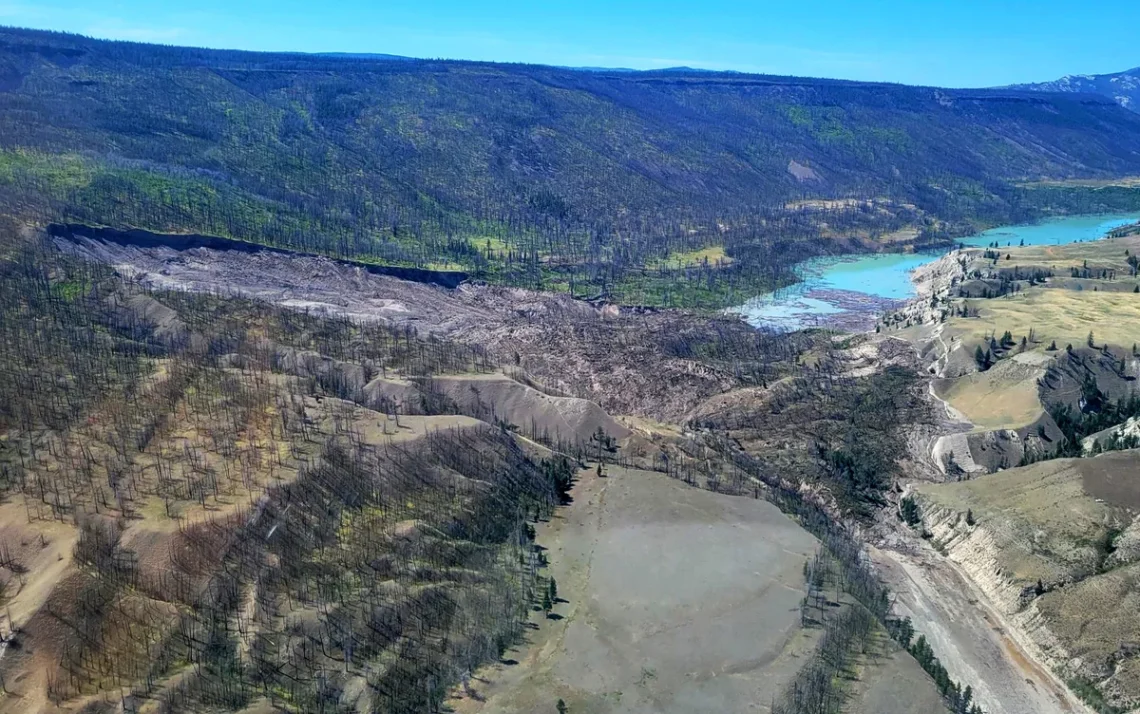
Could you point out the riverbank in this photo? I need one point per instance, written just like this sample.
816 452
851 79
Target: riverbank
997 559
847 292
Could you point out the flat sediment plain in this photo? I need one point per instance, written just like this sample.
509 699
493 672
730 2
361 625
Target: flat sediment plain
671 599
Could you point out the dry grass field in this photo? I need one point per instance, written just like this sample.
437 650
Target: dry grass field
1110 253
1096 621
1065 309
1060 313
1066 316
712 255
1003 397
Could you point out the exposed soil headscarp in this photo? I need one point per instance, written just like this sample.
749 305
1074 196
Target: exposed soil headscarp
139 238
658 364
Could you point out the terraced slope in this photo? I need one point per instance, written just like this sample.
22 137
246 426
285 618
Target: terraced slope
1033 350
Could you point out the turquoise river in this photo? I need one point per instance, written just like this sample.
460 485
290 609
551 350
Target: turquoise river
843 290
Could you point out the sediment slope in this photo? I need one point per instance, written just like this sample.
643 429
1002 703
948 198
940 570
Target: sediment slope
657 364
678 600
1054 546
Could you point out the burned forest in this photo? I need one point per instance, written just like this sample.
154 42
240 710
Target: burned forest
252 505
233 529
343 383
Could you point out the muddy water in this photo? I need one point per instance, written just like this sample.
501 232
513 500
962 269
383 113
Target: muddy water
848 291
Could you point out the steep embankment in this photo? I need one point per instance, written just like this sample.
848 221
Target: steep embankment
138 238
971 637
1031 349
1054 546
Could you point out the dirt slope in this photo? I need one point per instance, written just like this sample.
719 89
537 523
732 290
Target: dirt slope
1055 547
972 641
626 361
679 600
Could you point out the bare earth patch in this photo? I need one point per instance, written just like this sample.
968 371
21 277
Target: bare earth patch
38 553
678 600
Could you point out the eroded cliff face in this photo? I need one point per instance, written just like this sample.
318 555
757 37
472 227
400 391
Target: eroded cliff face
1051 548
936 278
977 550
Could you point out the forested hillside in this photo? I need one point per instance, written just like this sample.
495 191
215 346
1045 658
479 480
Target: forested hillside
176 476
594 182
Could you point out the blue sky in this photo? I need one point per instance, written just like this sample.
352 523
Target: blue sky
948 43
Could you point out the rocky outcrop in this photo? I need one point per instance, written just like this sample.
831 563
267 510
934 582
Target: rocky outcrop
1001 449
975 549
1113 438
951 452
937 277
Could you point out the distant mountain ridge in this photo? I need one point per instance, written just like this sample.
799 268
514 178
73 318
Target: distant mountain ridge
362 55
592 182
1123 87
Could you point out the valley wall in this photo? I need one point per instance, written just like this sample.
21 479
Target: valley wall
1045 541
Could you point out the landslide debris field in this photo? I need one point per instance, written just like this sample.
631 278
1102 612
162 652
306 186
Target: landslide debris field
217 503
658 364
703 402
1033 350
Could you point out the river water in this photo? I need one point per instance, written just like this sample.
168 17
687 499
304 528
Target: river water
849 291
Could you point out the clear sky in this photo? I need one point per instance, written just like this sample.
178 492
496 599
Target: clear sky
940 42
